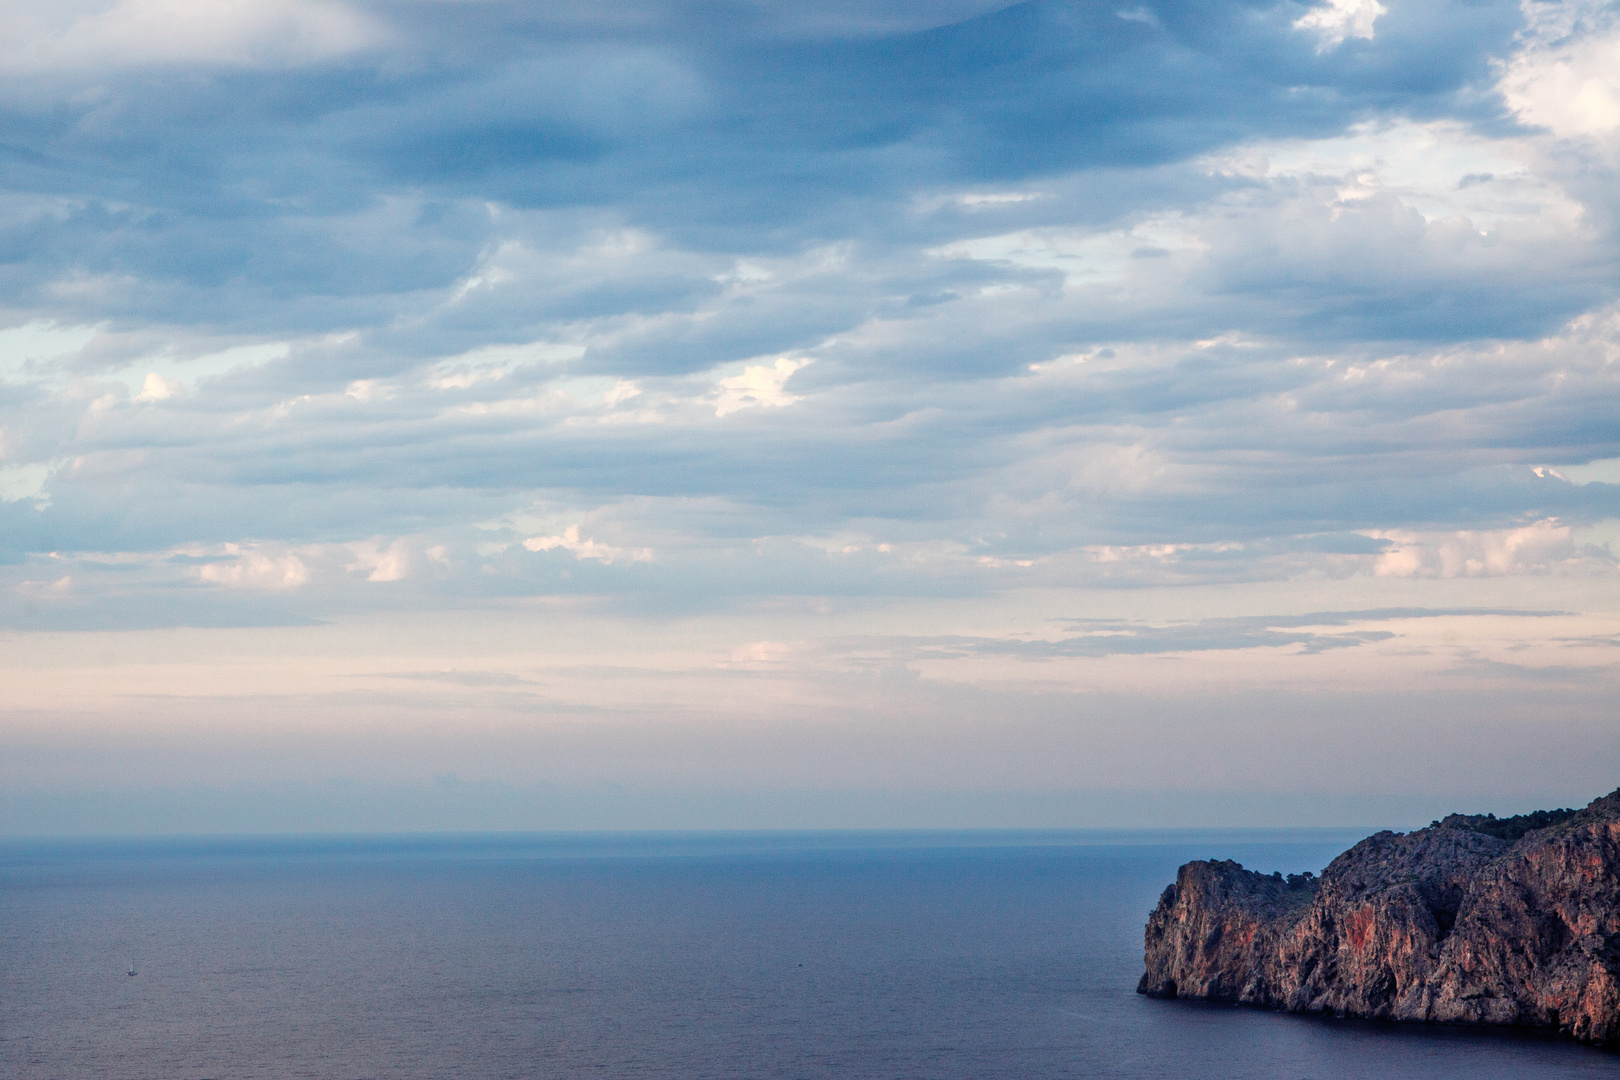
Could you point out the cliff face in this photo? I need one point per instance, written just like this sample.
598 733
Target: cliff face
1473 920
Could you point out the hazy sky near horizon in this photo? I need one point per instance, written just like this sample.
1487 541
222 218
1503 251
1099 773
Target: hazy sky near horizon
483 414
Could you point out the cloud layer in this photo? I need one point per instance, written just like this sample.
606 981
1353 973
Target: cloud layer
324 310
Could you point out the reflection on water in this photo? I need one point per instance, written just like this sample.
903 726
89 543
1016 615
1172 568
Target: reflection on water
803 955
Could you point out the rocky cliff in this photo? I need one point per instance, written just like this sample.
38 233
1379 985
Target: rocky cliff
1474 920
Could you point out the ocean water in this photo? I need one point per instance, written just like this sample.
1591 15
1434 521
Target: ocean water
803 955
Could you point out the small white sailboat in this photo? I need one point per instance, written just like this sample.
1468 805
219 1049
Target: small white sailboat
132 967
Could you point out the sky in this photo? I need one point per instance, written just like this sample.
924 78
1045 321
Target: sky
478 415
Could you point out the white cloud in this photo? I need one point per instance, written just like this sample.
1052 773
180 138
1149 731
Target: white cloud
378 563
1439 168
145 33
570 540
758 385
1339 19
623 390
158 387
991 199
1084 256
61 585
761 655
1566 77
368 390
1537 548
254 569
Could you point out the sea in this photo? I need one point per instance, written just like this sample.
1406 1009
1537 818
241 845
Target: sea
725 955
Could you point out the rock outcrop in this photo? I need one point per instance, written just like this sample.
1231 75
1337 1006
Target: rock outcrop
1473 920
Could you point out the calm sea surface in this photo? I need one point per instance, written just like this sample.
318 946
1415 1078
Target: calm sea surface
804 955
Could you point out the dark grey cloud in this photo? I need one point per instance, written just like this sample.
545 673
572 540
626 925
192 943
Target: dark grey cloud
722 126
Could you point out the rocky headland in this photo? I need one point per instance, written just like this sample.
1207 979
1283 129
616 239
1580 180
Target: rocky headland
1473 920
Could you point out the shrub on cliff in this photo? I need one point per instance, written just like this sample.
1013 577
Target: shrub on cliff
1508 828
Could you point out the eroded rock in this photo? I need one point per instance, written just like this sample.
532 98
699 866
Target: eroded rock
1474 920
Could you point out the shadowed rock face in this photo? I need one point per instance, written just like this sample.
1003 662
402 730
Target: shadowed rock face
1474 920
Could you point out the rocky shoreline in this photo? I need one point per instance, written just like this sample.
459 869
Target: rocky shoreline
1473 920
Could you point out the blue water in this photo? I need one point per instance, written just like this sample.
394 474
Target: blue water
810 955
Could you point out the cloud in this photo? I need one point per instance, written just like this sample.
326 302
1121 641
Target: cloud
1538 548
1566 77
157 387
255 569
24 481
1603 471
570 541
1020 296
1301 633
46 39
392 562
1334 21
981 390
758 385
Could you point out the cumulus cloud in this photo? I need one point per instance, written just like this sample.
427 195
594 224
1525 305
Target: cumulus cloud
158 387
758 385
252 568
378 562
1334 21
1566 76
584 548
1534 549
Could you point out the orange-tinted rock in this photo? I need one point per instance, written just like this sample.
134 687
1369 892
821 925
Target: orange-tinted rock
1467 922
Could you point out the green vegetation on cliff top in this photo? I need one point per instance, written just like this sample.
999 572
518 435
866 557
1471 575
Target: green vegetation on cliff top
1508 828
